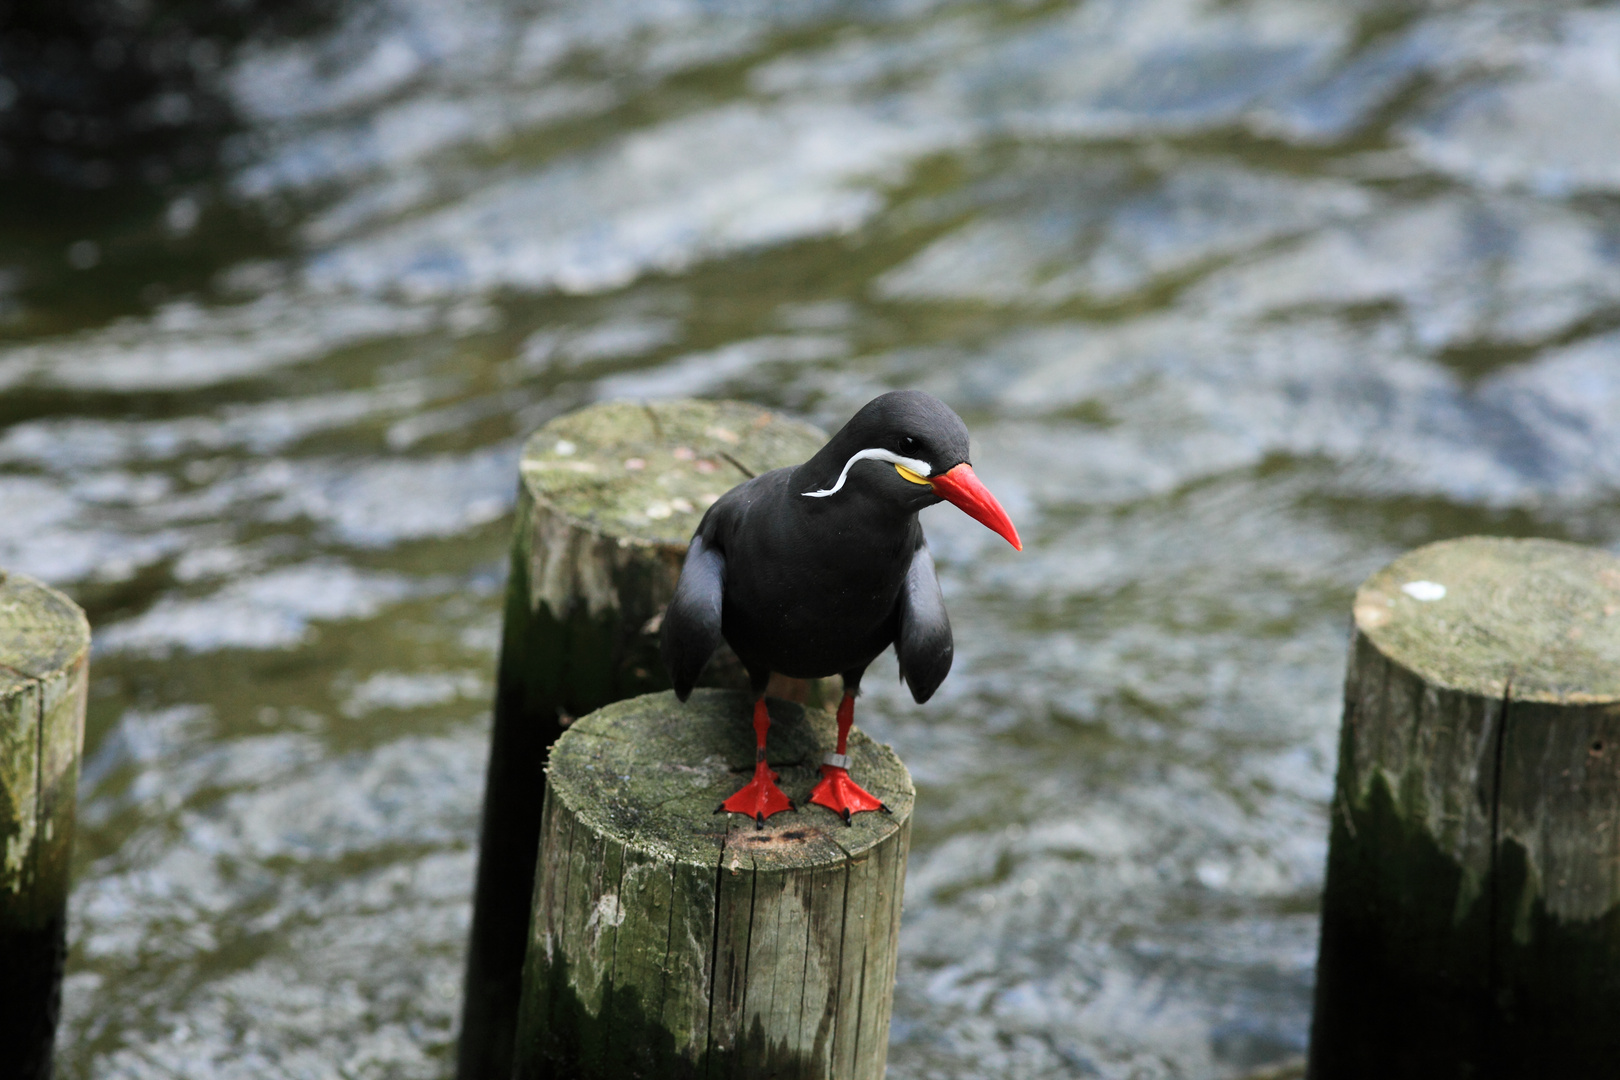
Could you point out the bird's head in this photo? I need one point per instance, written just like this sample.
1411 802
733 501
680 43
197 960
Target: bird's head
906 448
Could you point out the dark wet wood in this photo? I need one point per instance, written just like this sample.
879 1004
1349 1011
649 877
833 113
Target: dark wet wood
44 657
668 941
1471 917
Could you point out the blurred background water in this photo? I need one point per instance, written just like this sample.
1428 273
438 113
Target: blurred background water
1240 298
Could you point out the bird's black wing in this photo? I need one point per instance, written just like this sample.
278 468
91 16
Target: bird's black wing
924 642
691 630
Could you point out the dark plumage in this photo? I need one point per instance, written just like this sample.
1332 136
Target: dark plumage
815 570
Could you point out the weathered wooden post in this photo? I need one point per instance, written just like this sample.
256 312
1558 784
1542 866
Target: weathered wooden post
1471 918
607 499
669 942
44 657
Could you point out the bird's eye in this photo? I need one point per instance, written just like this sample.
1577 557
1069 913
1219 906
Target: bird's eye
909 443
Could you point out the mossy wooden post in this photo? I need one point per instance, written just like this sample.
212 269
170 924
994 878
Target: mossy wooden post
669 942
44 656
607 499
1471 918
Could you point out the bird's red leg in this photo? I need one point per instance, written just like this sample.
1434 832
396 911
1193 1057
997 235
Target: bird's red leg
836 791
760 797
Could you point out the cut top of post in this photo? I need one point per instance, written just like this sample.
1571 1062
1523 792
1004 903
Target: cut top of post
1481 614
42 632
648 772
648 471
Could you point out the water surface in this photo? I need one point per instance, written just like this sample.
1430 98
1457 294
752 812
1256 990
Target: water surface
1240 299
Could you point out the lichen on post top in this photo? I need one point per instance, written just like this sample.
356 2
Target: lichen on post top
649 470
1476 614
603 770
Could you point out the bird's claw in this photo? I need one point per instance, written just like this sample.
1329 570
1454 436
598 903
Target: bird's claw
843 796
759 798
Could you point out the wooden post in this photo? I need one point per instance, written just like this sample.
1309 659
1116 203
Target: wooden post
607 500
671 942
44 657
1471 918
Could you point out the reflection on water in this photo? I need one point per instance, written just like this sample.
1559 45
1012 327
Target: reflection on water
1240 299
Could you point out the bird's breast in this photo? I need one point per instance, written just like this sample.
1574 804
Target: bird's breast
813 610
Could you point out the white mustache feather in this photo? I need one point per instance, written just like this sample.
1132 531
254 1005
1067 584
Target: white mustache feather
921 468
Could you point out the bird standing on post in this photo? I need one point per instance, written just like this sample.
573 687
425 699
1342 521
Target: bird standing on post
815 570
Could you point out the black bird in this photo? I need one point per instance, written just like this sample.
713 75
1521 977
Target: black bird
815 570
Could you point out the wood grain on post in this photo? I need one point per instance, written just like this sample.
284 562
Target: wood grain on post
1471 916
607 499
671 942
44 657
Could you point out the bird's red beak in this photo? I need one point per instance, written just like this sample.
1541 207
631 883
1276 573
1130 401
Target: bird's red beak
959 487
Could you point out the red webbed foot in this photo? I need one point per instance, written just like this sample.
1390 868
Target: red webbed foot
759 798
842 795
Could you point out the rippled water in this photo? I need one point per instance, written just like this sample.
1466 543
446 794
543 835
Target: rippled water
1239 298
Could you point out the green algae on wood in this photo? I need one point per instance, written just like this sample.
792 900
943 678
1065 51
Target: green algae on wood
1471 913
607 498
668 941
44 654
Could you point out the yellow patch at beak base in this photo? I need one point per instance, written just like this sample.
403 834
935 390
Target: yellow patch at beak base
909 475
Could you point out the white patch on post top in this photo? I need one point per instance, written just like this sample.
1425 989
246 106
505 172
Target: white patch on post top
1425 591
916 465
